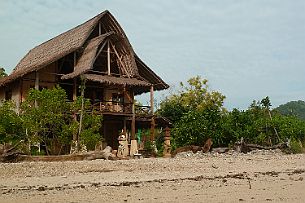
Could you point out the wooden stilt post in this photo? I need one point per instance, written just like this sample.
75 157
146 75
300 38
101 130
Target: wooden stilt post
152 100
152 129
21 90
124 126
133 121
36 104
124 121
74 146
74 95
133 142
36 80
152 125
83 86
18 103
74 89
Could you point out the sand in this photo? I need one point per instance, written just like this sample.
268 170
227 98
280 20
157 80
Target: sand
257 177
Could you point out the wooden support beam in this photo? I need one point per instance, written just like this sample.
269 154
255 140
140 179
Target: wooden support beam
101 49
74 94
36 80
99 28
152 129
152 100
36 85
108 58
124 126
21 90
120 60
124 96
19 99
74 60
133 121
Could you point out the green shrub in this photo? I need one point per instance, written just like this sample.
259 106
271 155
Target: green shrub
296 147
11 129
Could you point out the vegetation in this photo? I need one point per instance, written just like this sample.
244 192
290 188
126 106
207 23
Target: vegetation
47 118
293 108
198 114
91 124
11 129
2 72
196 111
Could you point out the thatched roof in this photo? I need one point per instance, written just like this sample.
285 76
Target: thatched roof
53 49
76 39
149 75
106 79
86 60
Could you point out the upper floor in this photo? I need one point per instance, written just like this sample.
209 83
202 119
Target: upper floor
97 51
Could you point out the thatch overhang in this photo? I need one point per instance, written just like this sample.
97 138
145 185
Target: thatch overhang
139 86
88 57
90 54
149 75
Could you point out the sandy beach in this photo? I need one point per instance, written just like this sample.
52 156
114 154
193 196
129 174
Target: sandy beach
257 177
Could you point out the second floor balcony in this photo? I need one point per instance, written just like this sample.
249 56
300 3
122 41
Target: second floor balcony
114 107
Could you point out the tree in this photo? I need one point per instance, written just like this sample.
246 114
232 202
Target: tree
46 122
52 123
295 108
10 123
195 111
91 123
195 127
191 97
197 96
2 72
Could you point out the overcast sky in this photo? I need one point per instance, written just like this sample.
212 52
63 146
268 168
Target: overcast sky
246 49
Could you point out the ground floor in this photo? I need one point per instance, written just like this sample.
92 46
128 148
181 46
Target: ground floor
187 178
121 130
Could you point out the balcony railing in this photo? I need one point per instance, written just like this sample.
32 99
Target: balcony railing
120 107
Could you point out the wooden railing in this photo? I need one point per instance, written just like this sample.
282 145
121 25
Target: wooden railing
120 107
142 110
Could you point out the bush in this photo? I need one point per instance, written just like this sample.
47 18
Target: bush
195 112
52 120
296 147
11 130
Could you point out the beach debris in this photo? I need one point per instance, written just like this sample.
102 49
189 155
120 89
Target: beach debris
194 148
9 153
104 154
242 146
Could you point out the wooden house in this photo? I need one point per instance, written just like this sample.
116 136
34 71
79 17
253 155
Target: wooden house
99 51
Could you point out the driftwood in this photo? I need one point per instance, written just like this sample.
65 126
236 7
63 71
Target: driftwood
13 155
244 147
194 148
220 149
104 154
10 153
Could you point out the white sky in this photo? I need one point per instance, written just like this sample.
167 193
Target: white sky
246 49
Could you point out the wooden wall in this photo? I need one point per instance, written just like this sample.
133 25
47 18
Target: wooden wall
21 87
2 94
47 79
